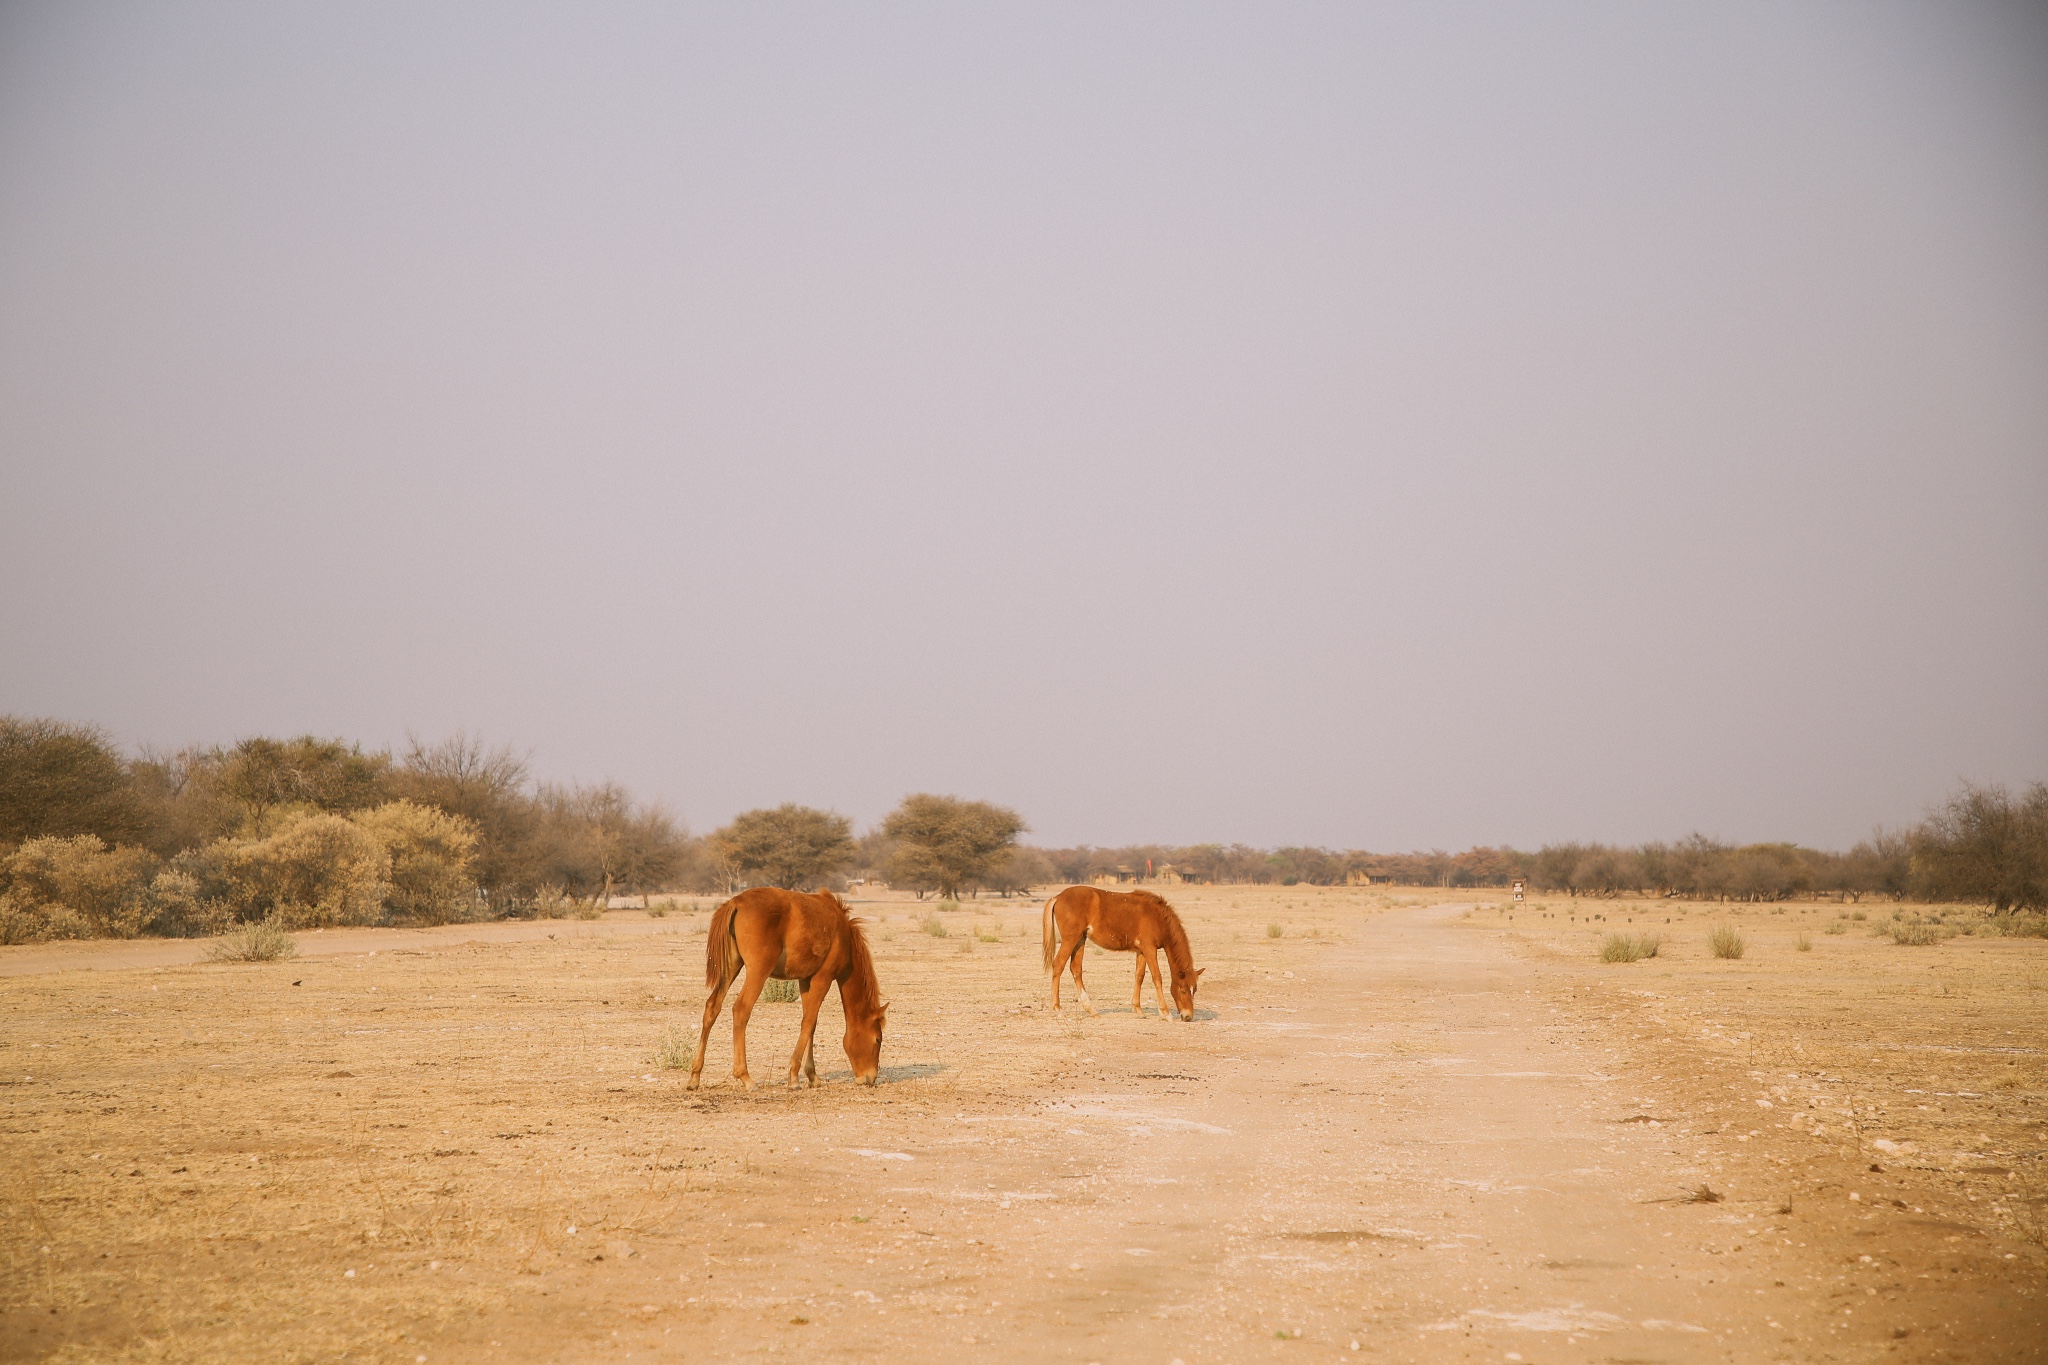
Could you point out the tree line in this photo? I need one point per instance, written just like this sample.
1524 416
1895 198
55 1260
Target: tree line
310 831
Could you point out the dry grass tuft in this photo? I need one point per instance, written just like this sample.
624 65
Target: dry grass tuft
1724 940
675 1049
1914 935
1804 943
1274 930
780 991
1629 947
263 941
934 926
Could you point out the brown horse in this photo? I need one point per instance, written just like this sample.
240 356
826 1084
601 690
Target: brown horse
808 939
1123 922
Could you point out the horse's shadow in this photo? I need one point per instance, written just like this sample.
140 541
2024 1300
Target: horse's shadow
908 1071
1147 1011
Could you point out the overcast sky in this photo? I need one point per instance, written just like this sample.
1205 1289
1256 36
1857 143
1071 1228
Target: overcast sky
1371 425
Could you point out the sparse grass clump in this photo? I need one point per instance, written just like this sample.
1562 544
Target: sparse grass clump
948 906
1804 943
658 910
993 934
1725 941
1836 926
1629 947
779 991
934 926
263 941
1274 931
674 1050
1914 935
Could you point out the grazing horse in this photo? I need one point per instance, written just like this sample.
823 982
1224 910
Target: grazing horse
1123 922
808 939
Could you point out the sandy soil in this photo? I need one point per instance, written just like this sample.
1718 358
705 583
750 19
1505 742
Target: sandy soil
1419 1127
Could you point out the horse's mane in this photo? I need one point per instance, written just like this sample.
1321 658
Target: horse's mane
861 970
1177 948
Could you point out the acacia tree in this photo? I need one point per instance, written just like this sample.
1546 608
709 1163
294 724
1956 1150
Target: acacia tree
1986 846
944 843
790 846
61 780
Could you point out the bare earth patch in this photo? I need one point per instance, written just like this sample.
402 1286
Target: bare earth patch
1442 1135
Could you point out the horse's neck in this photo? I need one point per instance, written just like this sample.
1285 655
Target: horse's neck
1177 951
858 989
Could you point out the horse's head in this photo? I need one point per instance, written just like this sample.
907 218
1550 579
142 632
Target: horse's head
864 1043
1185 979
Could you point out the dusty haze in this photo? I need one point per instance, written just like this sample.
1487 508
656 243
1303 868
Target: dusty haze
1376 427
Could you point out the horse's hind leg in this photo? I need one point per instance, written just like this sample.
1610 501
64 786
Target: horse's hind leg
711 1008
1138 986
1070 947
1079 984
742 1010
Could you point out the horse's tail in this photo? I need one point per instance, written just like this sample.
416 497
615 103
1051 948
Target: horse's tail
719 946
1046 930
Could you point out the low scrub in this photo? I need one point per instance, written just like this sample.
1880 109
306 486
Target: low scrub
934 926
1724 940
1274 931
779 991
1629 947
1915 935
263 941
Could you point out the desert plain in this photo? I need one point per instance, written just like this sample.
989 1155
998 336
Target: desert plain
1406 1125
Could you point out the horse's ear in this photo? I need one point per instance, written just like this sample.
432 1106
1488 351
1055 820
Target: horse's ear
882 1008
1199 971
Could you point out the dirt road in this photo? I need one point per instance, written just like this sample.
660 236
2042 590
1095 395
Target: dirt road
1399 1127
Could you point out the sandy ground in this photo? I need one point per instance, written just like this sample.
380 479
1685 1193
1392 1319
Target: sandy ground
1414 1126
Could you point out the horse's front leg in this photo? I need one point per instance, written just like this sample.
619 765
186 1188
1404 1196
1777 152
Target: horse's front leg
742 1010
1138 986
813 998
1151 959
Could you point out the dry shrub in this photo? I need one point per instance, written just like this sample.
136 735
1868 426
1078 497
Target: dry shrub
263 941
1723 940
430 852
934 926
1274 930
780 991
674 1050
1629 947
75 888
1915 935
1804 943
317 870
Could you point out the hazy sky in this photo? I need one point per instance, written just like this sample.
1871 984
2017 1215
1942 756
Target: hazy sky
1361 424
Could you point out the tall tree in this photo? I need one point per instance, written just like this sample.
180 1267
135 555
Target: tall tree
789 846
945 844
62 780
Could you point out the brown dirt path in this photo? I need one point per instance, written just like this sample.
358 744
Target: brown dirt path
1445 1138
